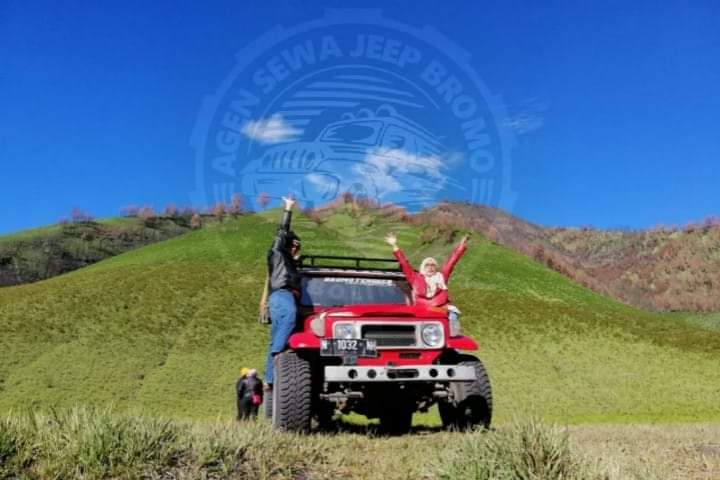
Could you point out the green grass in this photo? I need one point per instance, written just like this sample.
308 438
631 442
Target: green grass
98 443
37 254
707 321
164 330
33 233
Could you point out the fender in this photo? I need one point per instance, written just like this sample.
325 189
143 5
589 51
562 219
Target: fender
462 343
303 340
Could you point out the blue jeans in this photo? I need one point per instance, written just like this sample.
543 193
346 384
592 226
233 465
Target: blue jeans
283 314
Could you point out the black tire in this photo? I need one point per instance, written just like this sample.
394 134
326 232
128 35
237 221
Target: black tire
324 412
292 393
396 419
268 404
448 414
472 402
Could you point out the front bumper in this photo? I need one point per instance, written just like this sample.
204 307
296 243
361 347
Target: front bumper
404 373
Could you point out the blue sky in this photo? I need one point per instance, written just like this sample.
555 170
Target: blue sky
614 107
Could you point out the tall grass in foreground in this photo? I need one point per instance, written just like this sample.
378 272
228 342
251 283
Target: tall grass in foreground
92 443
527 451
97 443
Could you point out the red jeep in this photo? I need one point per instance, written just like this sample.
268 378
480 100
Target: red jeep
362 346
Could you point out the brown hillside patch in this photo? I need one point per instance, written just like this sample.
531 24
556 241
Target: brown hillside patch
658 269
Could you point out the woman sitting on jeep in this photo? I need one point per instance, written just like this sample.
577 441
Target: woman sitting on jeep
429 286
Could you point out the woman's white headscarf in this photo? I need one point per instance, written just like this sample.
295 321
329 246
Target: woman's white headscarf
433 282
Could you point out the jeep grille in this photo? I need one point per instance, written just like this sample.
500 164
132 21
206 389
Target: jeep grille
390 335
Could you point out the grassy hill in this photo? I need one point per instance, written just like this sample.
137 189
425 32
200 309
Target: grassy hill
40 253
165 329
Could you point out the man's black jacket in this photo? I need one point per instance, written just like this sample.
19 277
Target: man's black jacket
281 265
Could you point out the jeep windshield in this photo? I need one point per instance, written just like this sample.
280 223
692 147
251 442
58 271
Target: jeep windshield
355 132
339 291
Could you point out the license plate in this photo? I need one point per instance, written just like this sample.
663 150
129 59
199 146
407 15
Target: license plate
340 347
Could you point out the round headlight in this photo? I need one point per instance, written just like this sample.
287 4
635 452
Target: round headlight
344 330
432 335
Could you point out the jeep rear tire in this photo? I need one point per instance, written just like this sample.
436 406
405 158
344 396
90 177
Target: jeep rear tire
472 401
292 392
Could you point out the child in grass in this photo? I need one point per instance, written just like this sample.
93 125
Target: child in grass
249 394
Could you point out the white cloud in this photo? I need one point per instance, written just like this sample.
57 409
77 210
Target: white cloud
524 123
529 116
271 130
395 170
318 180
326 184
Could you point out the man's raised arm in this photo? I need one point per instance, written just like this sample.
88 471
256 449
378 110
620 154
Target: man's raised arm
281 238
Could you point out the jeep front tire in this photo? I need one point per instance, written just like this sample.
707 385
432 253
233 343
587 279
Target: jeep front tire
472 403
292 392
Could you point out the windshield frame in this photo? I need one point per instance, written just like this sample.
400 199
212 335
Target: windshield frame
373 139
399 281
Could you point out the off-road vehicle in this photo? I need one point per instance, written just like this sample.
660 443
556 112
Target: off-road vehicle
362 346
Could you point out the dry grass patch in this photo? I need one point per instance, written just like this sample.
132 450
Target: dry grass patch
651 452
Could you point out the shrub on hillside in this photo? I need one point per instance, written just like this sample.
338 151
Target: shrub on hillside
219 211
539 254
691 227
236 205
196 222
263 200
712 221
78 216
314 215
367 203
492 234
130 211
171 210
433 234
394 212
353 209
147 215
347 197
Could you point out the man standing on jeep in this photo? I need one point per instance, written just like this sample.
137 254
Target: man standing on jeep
284 288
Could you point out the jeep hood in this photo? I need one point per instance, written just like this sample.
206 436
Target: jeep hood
354 311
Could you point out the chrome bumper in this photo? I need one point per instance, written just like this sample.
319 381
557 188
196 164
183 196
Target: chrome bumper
405 373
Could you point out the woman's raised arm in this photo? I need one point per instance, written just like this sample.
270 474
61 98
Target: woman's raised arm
407 270
458 252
